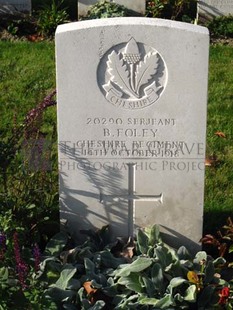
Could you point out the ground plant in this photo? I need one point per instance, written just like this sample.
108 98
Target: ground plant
184 10
49 17
105 9
221 26
41 272
144 273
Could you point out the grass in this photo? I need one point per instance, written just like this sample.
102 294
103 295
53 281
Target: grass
219 177
27 74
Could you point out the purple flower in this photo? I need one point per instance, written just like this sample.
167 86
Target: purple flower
2 246
36 255
21 267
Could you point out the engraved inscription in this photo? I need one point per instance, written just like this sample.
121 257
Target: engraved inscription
134 75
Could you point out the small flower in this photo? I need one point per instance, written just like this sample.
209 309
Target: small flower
21 267
2 246
224 295
36 255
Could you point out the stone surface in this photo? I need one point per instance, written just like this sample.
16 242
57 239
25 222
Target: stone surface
134 5
132 96
19 5
213 8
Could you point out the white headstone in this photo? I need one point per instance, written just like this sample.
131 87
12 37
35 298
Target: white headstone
19 5
214 8
132 96
134 5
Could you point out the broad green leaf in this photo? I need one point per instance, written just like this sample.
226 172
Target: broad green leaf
73 284
206 296
110 261
178 297
59 295
124 303
91 273
162 303
140 264
154 235
131 282
65 276
183 253
98 305
164 257
157 277
142 241
200 257
190 293
150 289
209 272
231 248
69 306
219 261
56 244
175 282
4 273
89 266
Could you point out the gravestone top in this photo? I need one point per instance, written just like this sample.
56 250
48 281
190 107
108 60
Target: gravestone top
24 6
138 6
214 8
132 96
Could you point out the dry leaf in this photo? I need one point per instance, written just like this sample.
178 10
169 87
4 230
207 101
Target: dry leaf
220 134
65 254
127 250
89 289
211 161
193 277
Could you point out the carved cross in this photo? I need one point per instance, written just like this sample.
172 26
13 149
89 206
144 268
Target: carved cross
132 197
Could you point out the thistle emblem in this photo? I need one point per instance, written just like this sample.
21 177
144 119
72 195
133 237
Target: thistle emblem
134 76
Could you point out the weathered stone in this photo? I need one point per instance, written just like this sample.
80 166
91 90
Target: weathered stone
132 96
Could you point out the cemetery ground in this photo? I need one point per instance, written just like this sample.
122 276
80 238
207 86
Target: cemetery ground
29 191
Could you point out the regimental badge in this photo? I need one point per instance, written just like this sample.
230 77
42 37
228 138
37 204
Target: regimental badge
134 75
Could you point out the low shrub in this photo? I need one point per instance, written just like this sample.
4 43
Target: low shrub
144 273
182 10
106 9
221 26
50 17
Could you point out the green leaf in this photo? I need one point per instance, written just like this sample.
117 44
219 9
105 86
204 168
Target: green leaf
110 261
131 282
154 235
59 295
162 303
209 272
206 296
200 257
65 277
164 257
157 277
150 290
74 285
91 273
69 306
142 242
183 253
98 305
219 261
56 244
190 293
231 248
175 282
4 273
140 264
